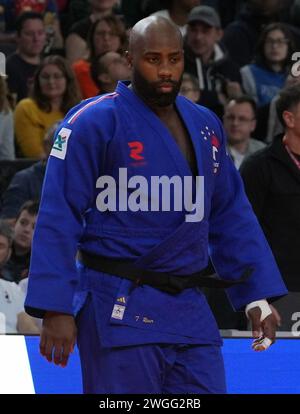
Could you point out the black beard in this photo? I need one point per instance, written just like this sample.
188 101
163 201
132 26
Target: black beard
148 92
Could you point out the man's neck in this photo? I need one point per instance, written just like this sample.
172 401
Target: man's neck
240 146
33 60
207 57
292 141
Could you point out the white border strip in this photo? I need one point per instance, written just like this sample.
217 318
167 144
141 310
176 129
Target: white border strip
15 372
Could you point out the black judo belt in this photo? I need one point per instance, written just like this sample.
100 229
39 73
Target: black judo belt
159 280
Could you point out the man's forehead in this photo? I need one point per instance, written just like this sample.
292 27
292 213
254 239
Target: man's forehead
157 43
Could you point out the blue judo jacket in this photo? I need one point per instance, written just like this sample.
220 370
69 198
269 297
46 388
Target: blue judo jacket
118 131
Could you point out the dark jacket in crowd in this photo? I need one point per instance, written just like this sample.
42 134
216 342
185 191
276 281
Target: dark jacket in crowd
272 183
25 185
212 77
241 36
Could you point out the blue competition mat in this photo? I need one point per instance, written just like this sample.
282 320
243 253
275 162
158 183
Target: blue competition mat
275 371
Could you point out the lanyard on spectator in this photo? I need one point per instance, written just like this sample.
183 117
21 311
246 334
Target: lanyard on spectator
296 161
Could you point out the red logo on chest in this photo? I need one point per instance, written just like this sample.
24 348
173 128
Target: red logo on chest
136 149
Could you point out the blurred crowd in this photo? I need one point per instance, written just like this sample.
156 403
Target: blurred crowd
239 57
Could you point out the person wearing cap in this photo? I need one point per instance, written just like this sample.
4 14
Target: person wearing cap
218 76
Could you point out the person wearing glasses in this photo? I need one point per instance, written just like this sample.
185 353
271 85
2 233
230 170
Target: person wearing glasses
263 78
239 124
55 91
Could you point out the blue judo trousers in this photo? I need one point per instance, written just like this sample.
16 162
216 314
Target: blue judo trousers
139 339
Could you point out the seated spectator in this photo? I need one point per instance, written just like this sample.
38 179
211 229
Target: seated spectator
48 9
55 91
263 78
268 123
108 69
239 123
190 88
13 318
18 264
76 42
178 12
241 36
11 305
7 146
27 183
107 34
219 79
21 66
6 240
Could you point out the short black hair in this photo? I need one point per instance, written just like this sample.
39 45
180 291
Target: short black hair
245 99
31 206
6 231
289 97
27 16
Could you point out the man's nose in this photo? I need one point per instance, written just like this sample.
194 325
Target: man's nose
164 70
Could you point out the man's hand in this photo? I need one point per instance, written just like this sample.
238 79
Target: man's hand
264 331
58 337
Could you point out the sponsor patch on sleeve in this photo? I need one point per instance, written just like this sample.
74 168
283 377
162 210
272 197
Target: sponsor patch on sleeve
60 145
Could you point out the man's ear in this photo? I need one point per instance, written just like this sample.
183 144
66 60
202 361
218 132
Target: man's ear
288 118
128 57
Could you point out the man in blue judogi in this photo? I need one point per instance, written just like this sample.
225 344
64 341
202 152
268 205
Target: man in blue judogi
140 189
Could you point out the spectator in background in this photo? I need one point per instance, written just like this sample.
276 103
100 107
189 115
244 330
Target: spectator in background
107 34
108 69
263 78
13 318
268 122
6 240
55 91
7 146
21 66
219 78
272 183
239 124
190 88
76 42
17 266
48 9
26 184
241 36
178 12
